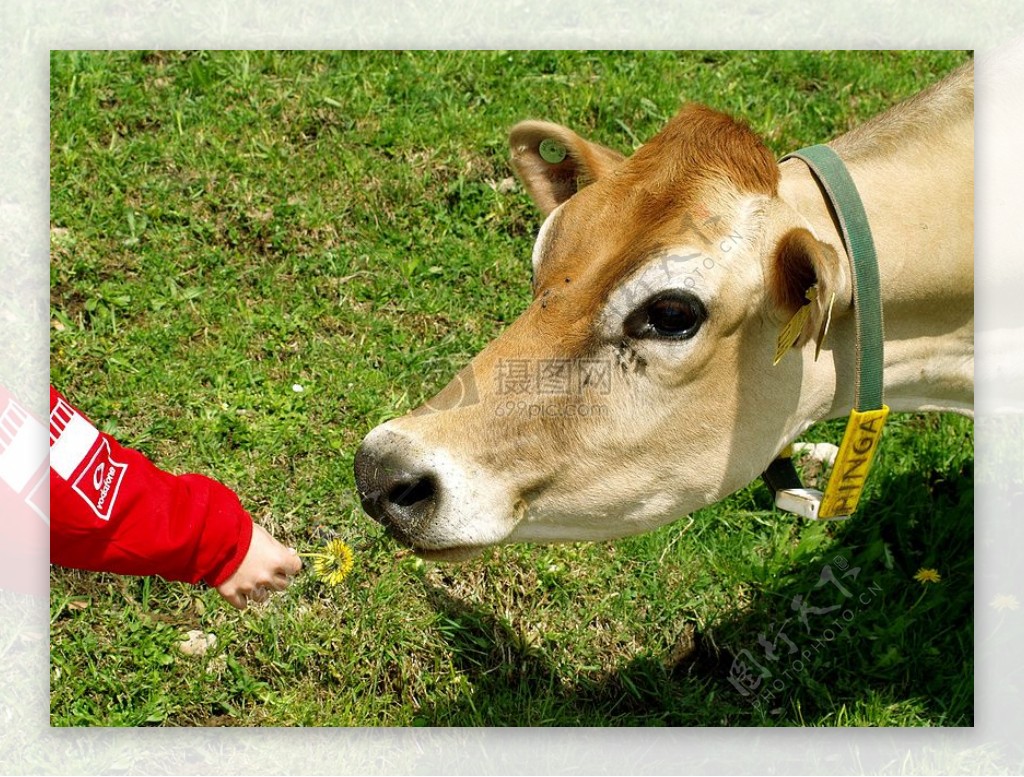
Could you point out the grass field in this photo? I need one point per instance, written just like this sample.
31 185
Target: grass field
227 226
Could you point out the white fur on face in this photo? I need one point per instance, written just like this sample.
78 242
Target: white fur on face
686 268
540 246
700 266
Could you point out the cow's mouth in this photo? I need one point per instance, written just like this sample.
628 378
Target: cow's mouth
453 553
457 553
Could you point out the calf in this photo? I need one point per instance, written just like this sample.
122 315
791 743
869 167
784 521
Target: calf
639 384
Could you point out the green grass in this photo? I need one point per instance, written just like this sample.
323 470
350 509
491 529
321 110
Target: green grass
226 225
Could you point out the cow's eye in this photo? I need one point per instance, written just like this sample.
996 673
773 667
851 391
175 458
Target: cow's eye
670 315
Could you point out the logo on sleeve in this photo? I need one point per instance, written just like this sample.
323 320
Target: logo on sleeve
100 481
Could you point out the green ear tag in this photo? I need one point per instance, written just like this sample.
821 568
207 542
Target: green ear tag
551 151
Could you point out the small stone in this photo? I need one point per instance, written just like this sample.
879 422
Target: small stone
197 643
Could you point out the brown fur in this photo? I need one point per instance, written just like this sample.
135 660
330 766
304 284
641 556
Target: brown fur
700 145
638 206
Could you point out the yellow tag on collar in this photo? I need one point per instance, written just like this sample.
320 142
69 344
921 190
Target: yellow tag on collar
850 472
791 331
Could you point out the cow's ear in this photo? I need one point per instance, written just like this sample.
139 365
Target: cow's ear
801 261
553 162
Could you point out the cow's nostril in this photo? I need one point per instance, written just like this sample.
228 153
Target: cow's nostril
413 493
395 492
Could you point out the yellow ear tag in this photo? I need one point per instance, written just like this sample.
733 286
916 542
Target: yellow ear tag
824 326
791 331
849 473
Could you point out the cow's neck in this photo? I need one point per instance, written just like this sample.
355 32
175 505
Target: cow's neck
921 217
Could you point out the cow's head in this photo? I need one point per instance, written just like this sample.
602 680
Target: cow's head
638 385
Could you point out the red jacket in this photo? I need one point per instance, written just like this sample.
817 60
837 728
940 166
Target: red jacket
112 510
24 499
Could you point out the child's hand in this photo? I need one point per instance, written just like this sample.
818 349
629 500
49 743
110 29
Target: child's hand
268 564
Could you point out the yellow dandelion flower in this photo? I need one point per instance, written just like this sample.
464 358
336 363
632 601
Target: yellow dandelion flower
1004 602
925 576
333 564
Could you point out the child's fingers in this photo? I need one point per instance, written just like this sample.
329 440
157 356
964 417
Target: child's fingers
279 582
292 563
259 594
268 566
236 600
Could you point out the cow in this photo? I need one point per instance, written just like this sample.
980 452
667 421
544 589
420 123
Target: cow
639 384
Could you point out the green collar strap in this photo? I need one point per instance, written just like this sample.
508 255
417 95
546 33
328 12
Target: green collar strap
835 179
864 428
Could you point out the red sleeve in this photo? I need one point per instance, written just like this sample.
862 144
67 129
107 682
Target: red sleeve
113 510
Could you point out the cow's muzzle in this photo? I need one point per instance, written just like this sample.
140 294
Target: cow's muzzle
429 499
397 493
